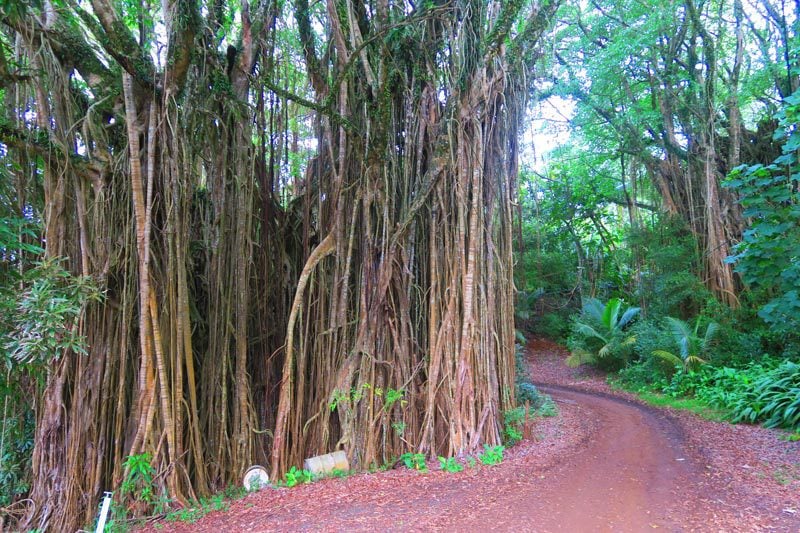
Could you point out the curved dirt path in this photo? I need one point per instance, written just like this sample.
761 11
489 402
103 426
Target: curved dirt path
616 471
606 463
631 474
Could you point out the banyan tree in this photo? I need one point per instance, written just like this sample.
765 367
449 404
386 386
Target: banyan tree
301 219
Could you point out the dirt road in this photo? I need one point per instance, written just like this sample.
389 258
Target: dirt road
631 474
605 464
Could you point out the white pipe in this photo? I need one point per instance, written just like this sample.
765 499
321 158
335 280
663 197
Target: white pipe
101 521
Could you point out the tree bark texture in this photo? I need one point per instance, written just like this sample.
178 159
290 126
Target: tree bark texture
255 314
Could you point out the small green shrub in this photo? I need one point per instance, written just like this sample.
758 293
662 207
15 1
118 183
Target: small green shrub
492 455
393 396
199 509
138 483
511 435
295 476
651 336
640 376
450 464
414 461
790 437
138 493
687 383
553 326
189 515
42 323
548 408
519 360
234 492
514 420
528 393
526 303
375 467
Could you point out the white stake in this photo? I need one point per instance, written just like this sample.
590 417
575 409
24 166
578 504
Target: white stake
101 521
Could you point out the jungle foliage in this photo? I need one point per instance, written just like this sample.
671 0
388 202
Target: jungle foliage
677 193
256 231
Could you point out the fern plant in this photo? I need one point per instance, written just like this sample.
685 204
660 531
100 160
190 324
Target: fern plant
599 336
692 346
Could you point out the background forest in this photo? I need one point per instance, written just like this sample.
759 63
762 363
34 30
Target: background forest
660 239
237 233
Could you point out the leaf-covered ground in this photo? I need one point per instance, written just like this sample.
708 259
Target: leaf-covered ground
606 463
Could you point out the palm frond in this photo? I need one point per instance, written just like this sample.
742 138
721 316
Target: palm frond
604 351
588 331
680 329
682 334
627 316
708 338
593 308
578 357
668 357
693 362
611 313
628 341
685 346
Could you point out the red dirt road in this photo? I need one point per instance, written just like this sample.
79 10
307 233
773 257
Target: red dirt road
631 474
605 464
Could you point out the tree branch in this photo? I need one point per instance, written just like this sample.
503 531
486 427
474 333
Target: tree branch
40 144
184 18
115 38
538 21
320 108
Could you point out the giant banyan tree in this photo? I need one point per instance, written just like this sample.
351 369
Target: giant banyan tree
300 215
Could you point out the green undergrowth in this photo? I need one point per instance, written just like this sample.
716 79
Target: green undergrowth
414 461
221 501
765 391
531 403
450 465
492 455
138 490
693 405
218 502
